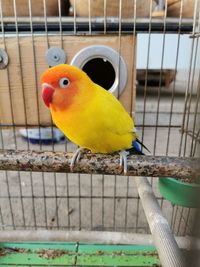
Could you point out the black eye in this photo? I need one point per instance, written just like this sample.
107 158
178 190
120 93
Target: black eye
64 82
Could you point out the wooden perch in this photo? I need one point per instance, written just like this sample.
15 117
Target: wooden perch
47 161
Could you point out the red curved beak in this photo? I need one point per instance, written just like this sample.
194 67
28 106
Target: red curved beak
47 93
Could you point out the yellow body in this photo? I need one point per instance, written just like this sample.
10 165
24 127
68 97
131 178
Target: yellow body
101 124
94 119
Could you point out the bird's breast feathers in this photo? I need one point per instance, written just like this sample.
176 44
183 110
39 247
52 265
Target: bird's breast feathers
99 123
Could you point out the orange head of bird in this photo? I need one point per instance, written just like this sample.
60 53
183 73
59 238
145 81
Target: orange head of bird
61 84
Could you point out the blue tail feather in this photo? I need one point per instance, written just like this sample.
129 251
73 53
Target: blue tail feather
137 147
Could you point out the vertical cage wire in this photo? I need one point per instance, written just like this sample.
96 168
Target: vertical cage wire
14 132
150 4
189 90
38 109
160 77
174 82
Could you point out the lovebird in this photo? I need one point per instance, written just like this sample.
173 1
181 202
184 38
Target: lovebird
88 115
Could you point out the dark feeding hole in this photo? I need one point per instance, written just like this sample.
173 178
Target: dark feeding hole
100 71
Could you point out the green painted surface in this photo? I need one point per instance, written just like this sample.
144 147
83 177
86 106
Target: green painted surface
39 254
117 255
66 254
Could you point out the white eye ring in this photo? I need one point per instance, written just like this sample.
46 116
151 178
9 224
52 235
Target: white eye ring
64 82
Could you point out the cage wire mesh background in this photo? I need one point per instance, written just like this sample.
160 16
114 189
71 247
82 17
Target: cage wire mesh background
166 113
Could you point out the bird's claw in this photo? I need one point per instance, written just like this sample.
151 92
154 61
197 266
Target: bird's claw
75 158
123 160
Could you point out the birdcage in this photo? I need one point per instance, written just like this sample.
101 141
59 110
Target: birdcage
147 54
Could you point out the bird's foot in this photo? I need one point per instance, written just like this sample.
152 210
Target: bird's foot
123 160
76 157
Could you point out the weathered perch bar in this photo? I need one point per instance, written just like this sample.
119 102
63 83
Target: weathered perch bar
46 161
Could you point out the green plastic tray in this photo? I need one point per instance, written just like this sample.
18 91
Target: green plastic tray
76 254
179 193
